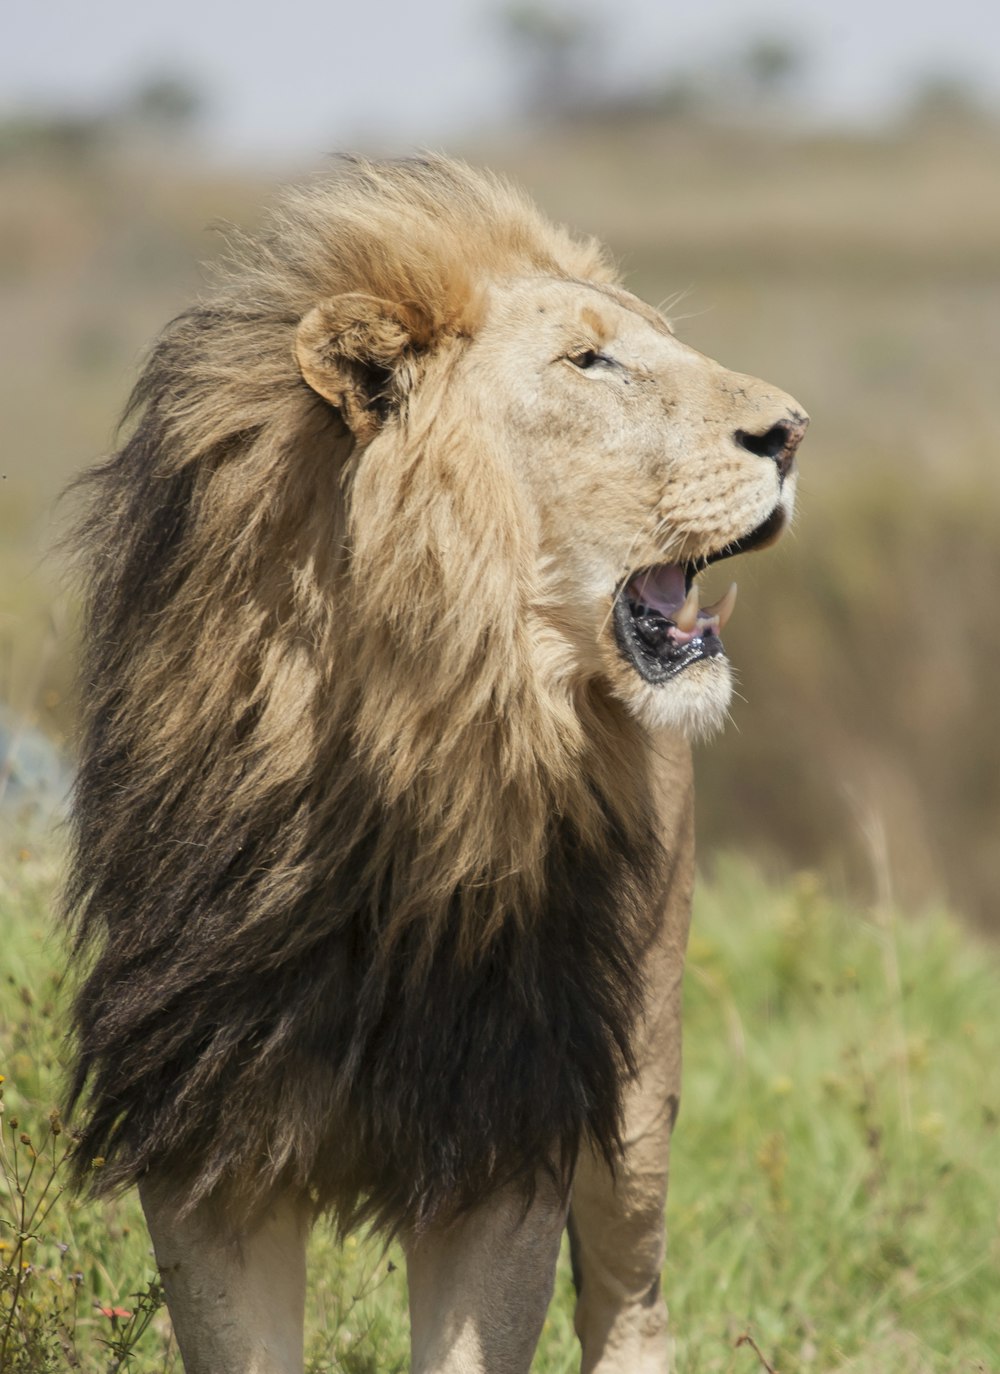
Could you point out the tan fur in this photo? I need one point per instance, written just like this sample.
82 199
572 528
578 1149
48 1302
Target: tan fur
374 828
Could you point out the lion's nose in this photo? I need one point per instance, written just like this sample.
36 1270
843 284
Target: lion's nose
778 442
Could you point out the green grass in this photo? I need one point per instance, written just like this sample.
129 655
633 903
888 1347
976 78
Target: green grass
836 1174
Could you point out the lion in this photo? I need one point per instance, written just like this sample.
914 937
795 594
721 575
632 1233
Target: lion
382 848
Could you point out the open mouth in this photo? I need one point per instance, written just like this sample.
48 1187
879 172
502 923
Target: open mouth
660 625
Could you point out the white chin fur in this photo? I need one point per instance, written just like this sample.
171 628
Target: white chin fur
696 703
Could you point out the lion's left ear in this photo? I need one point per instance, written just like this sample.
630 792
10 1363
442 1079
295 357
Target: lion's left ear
349 350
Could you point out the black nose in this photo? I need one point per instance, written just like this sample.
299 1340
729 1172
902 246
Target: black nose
778 443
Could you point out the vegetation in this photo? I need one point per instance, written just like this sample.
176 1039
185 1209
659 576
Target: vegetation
836 1176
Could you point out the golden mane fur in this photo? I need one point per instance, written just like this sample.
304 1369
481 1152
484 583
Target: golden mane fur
337 797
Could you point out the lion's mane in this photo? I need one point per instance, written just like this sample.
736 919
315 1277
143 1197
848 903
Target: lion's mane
365 893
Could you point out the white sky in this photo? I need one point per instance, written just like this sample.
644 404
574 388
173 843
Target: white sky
299 77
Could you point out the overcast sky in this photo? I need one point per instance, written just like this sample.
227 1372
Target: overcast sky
294 78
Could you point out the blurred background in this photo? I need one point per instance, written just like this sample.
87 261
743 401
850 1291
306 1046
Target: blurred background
815 188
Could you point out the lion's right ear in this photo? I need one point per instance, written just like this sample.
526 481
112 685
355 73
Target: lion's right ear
349 349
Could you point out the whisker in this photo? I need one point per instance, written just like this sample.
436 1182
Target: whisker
666 306
618 591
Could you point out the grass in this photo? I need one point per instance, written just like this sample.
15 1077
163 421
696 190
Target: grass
836 1174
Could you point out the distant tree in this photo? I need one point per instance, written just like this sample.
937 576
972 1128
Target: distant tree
160 108
559 51
946 98
771 65
59 136
165 102
754 80
682 96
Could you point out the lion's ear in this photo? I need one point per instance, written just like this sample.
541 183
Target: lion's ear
349 350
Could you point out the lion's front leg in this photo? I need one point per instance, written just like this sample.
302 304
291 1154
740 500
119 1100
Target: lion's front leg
617 1239
237 1301
480 1288
617 1227
617 1224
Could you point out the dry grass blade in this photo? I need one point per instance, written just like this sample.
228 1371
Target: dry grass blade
747 1339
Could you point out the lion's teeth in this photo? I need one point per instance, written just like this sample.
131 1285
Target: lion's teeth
687 617
723 608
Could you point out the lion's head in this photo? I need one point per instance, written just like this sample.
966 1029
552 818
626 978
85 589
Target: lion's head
549 403
386 590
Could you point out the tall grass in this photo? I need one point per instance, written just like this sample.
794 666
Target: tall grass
836 1171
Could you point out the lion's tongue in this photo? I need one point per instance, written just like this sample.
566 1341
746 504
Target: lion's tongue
662 588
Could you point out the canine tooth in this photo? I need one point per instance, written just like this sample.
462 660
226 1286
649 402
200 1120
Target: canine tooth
687 617
723 608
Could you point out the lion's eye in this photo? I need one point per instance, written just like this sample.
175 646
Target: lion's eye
590 358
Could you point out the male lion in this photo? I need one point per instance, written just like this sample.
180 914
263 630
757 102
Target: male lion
383 823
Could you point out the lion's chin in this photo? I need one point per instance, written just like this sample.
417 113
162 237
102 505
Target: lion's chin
696 702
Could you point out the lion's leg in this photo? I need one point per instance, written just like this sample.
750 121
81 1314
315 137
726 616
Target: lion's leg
617 1227
618 1240
236 1302
480 1288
